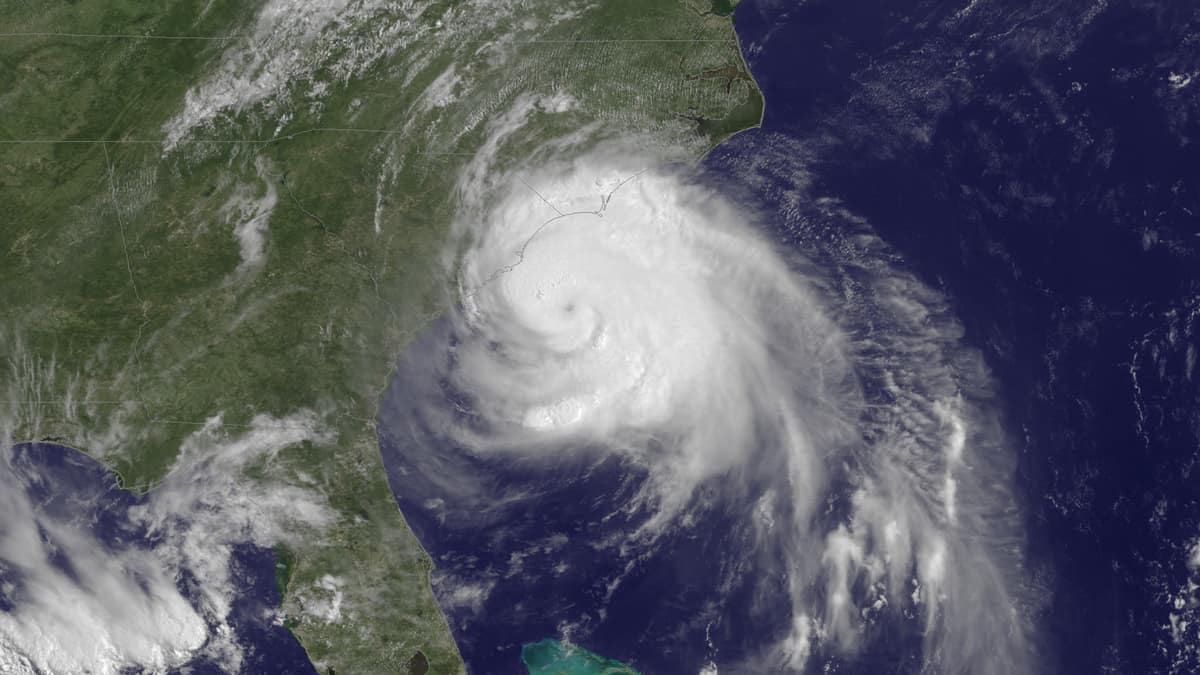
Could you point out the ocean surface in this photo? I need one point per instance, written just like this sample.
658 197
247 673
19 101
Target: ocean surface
70 487
1034 164
518 553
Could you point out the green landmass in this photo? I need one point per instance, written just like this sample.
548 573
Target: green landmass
722 7
551 657
285 562
140 142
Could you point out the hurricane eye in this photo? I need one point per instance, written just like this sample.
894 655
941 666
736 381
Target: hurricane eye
669 380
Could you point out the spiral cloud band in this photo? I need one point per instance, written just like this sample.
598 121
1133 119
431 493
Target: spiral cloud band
607 306
611 308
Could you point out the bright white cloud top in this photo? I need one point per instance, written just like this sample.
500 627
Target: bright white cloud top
609 305
619 304
94 584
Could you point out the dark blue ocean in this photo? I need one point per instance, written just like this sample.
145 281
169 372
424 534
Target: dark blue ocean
67 486
528 535
1036 162
1032 161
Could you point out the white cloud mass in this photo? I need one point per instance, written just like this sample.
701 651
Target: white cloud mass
607 302
79 605
84 602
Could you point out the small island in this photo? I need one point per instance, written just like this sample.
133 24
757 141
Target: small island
551 657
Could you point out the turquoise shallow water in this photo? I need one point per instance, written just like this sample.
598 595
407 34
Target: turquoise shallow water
551 657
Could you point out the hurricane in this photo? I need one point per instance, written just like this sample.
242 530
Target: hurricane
786 439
